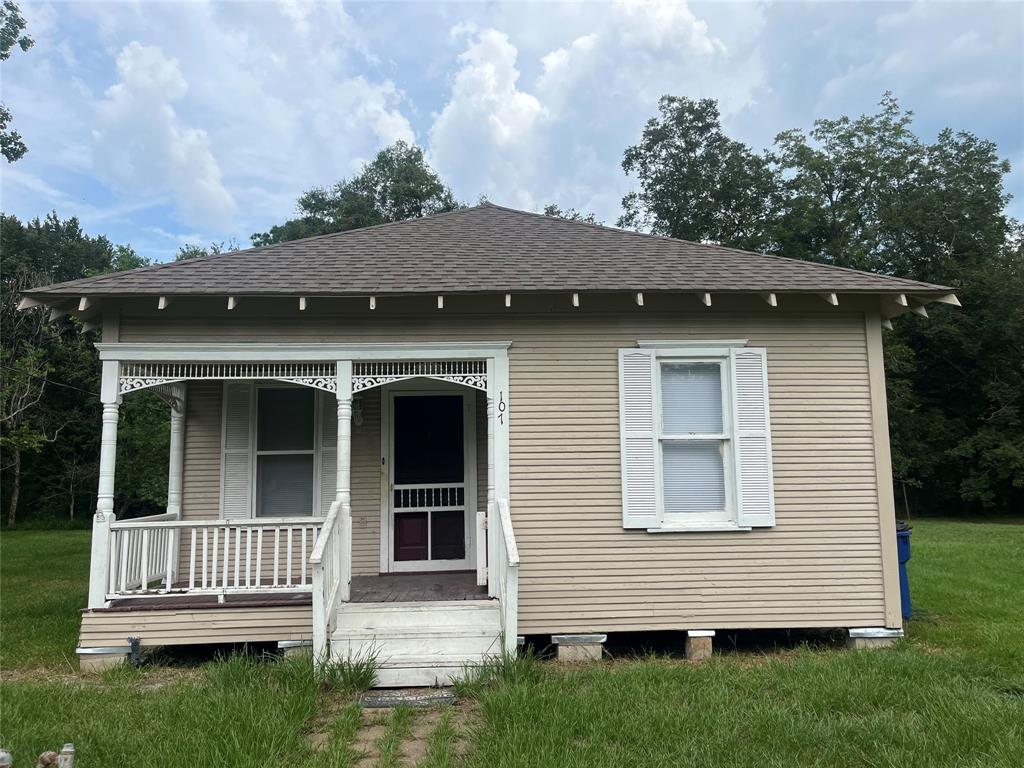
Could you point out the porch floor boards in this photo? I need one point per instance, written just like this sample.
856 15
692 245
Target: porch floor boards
417 587
189 602
385 588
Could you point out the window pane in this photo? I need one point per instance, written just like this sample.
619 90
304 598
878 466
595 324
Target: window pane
691 398
285 419
284 485
694 476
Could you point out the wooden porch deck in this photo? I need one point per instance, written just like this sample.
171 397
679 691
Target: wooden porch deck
417 587
385 588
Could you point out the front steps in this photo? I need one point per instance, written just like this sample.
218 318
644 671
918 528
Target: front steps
419 643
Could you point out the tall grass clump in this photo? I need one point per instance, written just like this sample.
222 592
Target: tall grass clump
522 668
351 674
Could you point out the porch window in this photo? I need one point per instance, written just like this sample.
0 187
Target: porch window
285 434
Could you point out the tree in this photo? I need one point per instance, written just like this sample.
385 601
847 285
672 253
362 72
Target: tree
868 193
194 250
695 182
12 34
397 185
49 379
553 209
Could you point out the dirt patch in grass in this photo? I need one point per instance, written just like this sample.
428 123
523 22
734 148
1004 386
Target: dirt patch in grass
414 748
144 678
365 745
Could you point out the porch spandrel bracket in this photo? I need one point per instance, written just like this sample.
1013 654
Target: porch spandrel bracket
376 373
136 376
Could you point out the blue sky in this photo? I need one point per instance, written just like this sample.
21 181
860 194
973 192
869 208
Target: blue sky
161 123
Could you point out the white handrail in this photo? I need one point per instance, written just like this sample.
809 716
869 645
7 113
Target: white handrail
168 520
511 548
504 571
330 575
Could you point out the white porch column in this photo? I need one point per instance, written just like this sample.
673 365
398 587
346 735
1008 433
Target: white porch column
483 515
344 482
99 567
176 461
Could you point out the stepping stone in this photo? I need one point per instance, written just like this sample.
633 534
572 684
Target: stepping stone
407 697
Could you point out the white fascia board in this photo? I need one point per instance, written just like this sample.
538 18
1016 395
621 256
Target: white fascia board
169 352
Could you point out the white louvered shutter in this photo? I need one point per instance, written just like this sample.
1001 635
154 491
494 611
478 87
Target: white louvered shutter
237 450
756 501
328 451
637 439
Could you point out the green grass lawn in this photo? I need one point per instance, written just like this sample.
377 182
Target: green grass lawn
951 694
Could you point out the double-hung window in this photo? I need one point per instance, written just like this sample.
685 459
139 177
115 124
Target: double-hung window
696 443
285 428
695 439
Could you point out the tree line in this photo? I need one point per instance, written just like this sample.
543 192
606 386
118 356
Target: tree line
865 193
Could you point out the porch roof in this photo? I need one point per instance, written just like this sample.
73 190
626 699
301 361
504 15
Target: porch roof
482 249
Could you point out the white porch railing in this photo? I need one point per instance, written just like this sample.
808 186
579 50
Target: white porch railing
331 575
161 555
140 555
503 566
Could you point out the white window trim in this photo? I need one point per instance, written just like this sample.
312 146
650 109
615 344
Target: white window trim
714 351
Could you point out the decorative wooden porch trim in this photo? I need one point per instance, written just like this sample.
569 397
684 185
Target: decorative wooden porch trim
136 376
377 373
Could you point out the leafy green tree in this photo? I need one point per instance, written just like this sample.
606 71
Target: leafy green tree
193 250
397 185
553 209
868 193
695 182
12 35
49 379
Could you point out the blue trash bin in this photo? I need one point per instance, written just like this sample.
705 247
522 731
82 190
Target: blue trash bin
903 555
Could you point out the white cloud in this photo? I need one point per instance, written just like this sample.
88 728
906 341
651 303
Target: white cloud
143 147
486 129
561 138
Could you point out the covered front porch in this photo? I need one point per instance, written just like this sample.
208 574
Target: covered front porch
431 490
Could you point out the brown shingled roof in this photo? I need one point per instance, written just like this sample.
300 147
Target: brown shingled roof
482 249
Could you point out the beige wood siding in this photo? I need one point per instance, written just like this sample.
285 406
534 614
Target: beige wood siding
191 627
200 495
366 487
821 565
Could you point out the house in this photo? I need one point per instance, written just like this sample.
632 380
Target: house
434 437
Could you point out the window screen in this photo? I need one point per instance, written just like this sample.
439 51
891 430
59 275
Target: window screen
285 420
691 398
285 485
694 476
692 438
